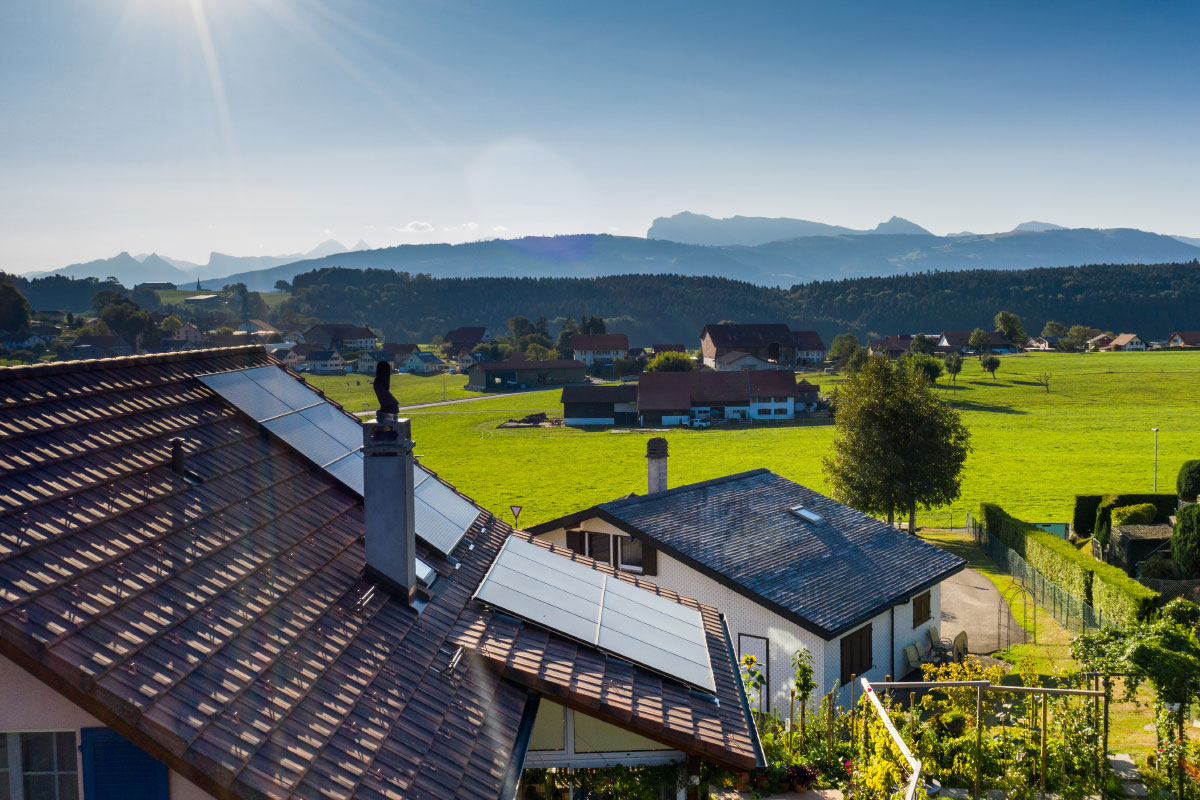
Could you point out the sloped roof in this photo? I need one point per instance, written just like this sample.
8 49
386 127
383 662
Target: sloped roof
747 335
668 348
321 355
673 391
614 393
807 340
429 358
599 341
513 364
738 530
222 622
1188 337
470 335
1124 339
395 349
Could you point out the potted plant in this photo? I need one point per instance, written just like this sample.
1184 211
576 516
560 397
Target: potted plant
800 778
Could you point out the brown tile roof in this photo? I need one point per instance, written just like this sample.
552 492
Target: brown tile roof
599 341
1123 339
668 348
672 391
395 349
468 336
747 335
1190 338
221 621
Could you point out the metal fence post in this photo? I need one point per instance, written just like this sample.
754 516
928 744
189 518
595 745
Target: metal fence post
978 740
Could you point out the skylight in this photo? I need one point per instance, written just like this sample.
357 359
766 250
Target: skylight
807 514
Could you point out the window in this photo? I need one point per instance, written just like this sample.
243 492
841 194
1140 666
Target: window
921 609
856 653
622 552
39 766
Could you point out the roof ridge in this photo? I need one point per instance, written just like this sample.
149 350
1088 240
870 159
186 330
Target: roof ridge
687 487
88 364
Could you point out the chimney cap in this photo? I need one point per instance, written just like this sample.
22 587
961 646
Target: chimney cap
656 448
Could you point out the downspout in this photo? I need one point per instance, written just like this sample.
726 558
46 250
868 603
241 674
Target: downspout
892 639
512 776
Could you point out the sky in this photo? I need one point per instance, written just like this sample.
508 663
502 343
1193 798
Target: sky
256 127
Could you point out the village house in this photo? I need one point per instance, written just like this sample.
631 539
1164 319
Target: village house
1126 342
100 347
1184 339
960 341
423 363
1099 342
674 398
468 358
326 362
467 338
599 348
400 352
258 328
1043 343
339 336
790 568
284 352
242 593
775 343
500 376
368 361
187 333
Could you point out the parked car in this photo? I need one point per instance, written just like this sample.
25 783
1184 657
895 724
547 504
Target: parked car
696 423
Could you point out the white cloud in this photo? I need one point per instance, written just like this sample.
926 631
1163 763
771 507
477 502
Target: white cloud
499 229
416 226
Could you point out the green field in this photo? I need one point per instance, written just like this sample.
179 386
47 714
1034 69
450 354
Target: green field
1033 451
177 296
354 390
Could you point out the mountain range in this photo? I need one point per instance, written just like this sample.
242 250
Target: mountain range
759 250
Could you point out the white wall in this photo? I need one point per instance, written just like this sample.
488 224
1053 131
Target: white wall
27 704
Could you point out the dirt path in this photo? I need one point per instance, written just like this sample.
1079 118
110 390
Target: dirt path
970 602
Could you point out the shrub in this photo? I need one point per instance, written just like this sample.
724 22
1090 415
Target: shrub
1083 521
1188 482
1119 597
1185 543
1140 514
1161 567
1164 503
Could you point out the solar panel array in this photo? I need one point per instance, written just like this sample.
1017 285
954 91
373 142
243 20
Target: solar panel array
556 593
329 438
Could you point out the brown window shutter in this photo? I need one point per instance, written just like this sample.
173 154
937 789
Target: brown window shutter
575 541
649 559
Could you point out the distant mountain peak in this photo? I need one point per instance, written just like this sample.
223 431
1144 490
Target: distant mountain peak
1033 226
900 225
326 248
361 245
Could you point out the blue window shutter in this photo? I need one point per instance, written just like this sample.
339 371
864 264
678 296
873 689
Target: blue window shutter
115 768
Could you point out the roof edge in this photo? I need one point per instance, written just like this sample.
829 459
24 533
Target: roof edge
90 364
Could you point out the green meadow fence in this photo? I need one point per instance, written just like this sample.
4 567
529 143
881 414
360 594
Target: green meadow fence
1068 610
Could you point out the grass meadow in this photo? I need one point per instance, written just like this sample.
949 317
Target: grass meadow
354 390
1033 450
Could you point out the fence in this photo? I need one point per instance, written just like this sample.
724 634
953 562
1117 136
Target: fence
1069 611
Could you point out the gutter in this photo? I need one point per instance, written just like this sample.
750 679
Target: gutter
759 757
512 775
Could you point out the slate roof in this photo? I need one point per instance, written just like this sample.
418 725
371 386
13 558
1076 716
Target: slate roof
738 530
599 341
221 621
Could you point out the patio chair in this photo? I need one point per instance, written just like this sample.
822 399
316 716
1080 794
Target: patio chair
959 648
936 642
912 660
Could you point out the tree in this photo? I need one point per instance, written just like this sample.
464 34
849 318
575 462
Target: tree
857 360
563 343
1185 542
1009 325
15 312
671 361
592 325
519 327
843 346
897 446
990 364
926 365
171 324
1041 379
542 326
1076 338
954 363
102 298
537 352
1053 328
922 344
1187 482
125 319
282 286
979 341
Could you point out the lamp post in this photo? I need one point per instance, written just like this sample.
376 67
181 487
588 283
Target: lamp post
1155 459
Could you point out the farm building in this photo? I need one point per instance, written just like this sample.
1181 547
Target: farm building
469 338
960 341
770 342
672 398
599 348
790 569
243 593
338 336
498 376
600 405
1099 342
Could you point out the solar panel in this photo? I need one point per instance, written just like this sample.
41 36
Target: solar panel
585 604
329 438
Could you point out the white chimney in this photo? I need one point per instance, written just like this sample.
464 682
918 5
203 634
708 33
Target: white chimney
388 505
656 464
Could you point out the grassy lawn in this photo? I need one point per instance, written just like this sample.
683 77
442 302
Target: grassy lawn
1051 652
353 390
177 296
1033 451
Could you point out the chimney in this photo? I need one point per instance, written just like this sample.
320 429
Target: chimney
388 505
656 463
178 464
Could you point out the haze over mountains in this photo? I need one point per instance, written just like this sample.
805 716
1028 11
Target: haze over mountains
759 250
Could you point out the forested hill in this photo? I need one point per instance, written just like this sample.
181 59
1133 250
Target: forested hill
1151 300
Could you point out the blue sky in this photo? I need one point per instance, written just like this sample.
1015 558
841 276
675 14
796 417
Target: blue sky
264 126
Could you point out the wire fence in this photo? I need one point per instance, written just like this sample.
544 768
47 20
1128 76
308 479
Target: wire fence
1068 610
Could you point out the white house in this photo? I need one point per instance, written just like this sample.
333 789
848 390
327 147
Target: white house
737 361
672 398
599 348
187 332
1126 341
423 363
326 362
788 567
368 360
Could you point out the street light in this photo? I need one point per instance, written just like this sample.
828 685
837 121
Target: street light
1155 459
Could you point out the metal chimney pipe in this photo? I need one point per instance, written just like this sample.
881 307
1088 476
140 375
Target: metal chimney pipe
178 464
656 464
388 506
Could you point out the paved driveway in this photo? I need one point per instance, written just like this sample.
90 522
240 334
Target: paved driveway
970 602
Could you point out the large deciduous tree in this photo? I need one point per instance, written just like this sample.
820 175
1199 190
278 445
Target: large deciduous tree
898 448
1053 328
671 361
979 341
954 363
15 312
843 346
1009 324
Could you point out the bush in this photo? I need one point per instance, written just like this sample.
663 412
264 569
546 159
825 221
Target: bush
1083 521
1161 567
1188 482
1140 514
1119 597
1164 503
1185 543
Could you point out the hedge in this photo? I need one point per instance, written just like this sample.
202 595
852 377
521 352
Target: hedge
1140 514
1092 511
1084 518
1105 588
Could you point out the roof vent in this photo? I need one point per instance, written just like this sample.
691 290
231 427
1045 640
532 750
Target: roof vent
807 514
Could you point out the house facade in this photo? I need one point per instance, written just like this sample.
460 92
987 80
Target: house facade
847 588
263 611
337 336
500 376
775 343
599 348
326 362
187 332
1127 342
1184 339
423 363
674 398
